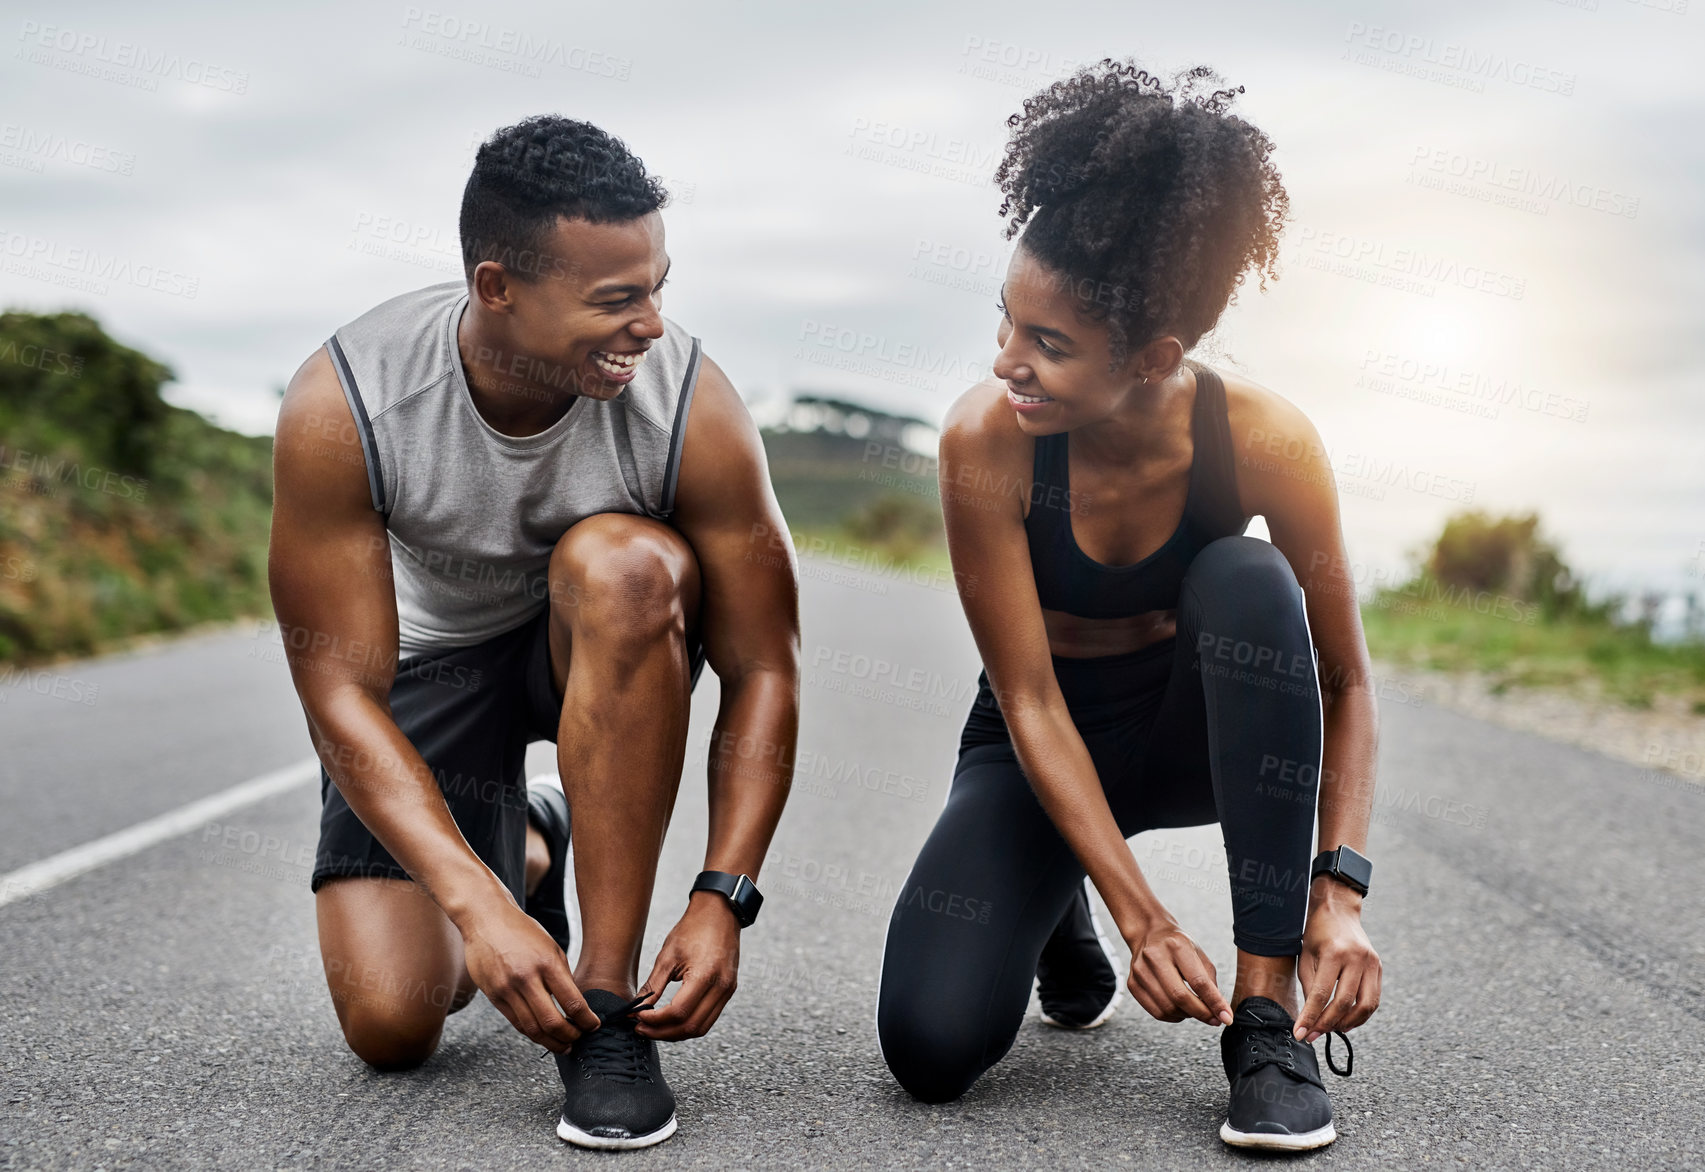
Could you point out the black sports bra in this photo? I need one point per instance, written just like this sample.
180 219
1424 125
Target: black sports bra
1069 580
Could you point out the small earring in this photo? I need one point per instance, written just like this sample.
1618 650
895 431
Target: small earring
1145 380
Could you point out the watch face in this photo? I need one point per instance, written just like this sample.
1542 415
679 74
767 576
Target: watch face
1355 868
1348 867
746 901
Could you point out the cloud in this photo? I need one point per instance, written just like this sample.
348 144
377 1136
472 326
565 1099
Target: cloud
796 217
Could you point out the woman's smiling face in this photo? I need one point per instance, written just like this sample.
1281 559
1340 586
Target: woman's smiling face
1053 358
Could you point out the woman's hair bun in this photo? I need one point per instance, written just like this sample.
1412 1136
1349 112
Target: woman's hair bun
1152 192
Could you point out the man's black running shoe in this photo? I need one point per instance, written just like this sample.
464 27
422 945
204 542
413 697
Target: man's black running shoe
1076 978
547 809
615 1096
1277 1098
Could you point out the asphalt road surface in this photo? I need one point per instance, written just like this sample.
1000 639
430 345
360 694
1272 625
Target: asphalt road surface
1538 910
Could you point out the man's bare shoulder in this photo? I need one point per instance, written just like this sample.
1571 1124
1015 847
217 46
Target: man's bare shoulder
724 473
317 454
315 383
718 422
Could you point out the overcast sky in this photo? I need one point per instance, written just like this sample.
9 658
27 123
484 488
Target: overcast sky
1492 285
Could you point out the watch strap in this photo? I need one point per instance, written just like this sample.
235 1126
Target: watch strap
742 894
1347 865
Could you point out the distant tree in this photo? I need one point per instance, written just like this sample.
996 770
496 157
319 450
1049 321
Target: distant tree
119 512
902 523
67 388
1508 555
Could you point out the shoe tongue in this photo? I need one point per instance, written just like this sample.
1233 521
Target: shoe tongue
606 1005
1260 1011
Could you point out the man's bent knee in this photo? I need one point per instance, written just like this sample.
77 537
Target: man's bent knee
624 572
388 1037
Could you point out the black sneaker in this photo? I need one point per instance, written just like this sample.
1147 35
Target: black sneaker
547 809
1076 977
615 1093
1277 1098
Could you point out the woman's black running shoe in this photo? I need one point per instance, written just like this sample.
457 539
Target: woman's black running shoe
615 1096
1076 979
547 809
1277 1098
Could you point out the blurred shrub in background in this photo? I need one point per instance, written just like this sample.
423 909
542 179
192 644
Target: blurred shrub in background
120 514
899 523
1493 595
1507 555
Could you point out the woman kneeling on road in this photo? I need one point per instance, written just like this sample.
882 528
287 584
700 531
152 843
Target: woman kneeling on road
1146 665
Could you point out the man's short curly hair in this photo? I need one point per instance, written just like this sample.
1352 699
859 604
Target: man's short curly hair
527 175
1152 200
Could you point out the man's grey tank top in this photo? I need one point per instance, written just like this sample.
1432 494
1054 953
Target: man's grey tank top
474 514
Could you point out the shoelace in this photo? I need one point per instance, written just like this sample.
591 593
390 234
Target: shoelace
1274 1045
1349 1055
615 1051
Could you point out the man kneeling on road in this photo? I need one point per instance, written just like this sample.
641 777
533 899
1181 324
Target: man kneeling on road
536 491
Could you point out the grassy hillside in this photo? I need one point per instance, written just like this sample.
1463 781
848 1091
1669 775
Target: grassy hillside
857 498
1493 596
119 513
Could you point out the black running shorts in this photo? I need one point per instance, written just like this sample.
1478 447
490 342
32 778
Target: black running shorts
471 712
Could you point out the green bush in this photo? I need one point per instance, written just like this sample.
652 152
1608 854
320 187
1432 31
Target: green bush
67 388
1492 595
131 515
1507 555
899 523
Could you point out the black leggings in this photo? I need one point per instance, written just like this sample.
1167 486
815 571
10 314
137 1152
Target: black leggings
1221 723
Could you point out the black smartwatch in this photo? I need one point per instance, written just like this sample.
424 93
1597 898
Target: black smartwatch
742 893
1350 868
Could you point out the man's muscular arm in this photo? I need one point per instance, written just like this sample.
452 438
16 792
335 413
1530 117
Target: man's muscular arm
329 567
749 623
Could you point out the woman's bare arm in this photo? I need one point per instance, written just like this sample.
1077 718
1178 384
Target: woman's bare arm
985 479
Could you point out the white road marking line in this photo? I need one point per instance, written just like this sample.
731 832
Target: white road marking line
68 864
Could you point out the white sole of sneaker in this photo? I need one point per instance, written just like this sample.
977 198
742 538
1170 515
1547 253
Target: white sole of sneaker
585 1139
1112 963
1317 1138
1100 1018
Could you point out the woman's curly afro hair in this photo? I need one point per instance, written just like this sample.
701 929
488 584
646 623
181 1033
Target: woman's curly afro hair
1152 200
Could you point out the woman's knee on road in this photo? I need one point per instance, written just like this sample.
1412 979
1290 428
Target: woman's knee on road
936 1056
